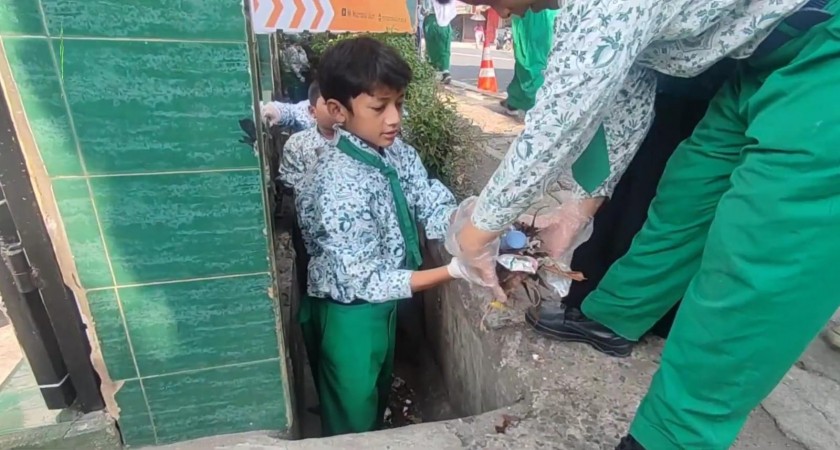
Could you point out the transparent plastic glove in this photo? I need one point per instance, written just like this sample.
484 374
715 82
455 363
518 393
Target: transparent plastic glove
562 231
476 254
270 114
456 269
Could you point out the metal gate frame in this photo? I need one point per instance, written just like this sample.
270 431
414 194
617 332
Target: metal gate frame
42 308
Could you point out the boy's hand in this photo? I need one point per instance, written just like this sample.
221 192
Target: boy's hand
476 250
456 269
270 114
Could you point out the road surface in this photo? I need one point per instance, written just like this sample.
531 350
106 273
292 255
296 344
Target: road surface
466 60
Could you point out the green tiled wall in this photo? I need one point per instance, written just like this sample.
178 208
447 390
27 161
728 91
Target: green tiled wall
135 107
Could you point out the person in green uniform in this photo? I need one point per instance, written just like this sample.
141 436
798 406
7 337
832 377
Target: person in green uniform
744 223
532 38
358 210
437 30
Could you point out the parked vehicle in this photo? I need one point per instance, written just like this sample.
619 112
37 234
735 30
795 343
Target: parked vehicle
504 39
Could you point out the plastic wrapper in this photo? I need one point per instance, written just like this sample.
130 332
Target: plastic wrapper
518 263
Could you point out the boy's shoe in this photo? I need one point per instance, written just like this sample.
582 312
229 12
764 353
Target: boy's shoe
832 336
629 443
445 78
570 325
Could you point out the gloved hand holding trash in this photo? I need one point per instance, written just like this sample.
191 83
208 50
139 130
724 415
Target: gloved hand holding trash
532 252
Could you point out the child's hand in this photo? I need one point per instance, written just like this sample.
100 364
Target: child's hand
476 250
456 269
270 114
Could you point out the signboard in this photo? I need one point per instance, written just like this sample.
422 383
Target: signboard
463 8
268 16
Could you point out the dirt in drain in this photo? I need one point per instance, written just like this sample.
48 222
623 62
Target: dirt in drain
418 394
402 407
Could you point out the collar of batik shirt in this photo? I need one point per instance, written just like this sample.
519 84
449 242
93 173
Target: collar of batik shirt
355 140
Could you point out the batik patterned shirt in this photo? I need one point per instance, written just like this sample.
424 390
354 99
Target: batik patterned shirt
348 220
295 61
295 116
300 155
601 72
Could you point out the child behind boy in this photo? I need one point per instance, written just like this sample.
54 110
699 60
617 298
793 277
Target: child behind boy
294 116
357 212
301 150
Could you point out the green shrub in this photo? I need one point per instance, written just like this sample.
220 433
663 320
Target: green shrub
432 125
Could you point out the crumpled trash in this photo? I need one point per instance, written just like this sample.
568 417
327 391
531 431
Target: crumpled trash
518 263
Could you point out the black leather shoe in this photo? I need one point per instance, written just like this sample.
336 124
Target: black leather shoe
570 325
629 443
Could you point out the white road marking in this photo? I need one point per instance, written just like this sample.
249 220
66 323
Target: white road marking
495 58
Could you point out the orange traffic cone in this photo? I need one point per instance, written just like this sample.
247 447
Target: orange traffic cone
487 73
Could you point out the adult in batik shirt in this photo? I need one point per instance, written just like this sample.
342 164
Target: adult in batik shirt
744 223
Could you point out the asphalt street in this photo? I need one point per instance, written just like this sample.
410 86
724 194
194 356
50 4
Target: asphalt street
466 60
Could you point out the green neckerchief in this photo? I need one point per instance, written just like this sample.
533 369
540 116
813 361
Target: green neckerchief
408 228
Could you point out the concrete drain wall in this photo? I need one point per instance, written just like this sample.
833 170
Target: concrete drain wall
473 369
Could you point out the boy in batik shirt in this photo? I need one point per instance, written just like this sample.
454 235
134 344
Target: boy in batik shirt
302 149
294 116
358 210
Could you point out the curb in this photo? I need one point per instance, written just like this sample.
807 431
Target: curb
473 89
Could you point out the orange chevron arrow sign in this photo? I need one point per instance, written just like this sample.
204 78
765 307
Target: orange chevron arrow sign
376 16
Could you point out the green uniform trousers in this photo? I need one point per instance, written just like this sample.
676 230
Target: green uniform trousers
351 353
746 228
438 43
533 35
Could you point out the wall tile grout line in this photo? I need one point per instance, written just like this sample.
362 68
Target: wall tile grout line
204 369
75 135
141 174
123 39
185 280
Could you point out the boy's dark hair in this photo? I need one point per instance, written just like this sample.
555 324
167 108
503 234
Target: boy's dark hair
358 66
314 93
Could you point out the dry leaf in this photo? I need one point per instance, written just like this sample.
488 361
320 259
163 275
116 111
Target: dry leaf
504 422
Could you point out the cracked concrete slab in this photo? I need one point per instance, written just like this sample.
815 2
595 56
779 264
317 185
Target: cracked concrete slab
806 407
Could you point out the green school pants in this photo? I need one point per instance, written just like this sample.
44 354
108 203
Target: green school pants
533 35
438 43
351 353
746 228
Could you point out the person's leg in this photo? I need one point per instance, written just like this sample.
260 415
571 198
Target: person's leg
767 282
357 347
646 283
446 52
620 218
532 39
438 44
386 371
433 44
